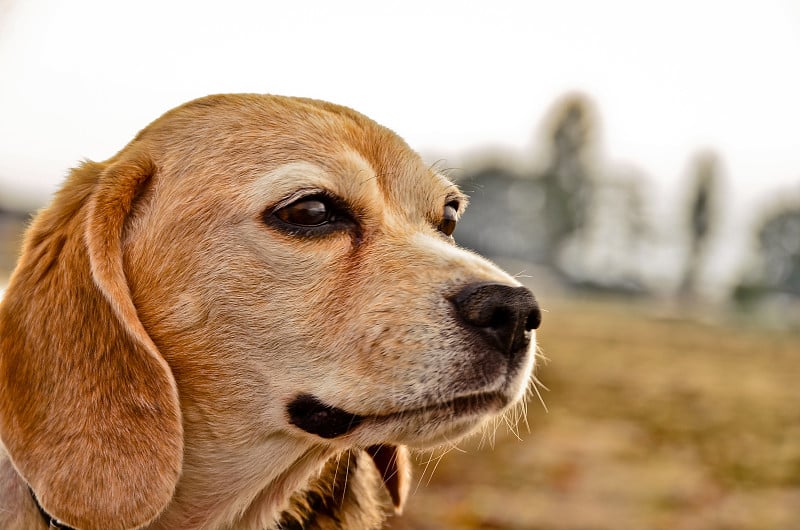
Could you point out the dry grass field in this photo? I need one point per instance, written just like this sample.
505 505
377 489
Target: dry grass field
653 423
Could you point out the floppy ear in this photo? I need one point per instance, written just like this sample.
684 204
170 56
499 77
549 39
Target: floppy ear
394 465
89 410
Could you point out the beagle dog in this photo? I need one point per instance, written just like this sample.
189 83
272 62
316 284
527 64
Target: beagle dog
244 320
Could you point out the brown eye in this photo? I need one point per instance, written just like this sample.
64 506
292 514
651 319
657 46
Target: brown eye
306 212
449 219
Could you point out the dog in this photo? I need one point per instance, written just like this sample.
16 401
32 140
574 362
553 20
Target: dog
246 319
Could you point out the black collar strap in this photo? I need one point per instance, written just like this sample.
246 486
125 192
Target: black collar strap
51 521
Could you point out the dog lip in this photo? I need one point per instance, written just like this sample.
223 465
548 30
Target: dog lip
456 407
315 417
326 421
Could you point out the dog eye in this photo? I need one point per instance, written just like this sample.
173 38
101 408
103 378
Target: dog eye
449 218
306 212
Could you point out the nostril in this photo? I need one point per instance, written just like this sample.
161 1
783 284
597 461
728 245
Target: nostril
534 319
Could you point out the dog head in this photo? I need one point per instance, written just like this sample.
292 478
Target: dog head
248 267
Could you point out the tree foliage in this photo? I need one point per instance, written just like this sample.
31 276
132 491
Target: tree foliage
567 176
779 247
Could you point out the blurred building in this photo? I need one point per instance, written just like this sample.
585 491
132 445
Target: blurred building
570 212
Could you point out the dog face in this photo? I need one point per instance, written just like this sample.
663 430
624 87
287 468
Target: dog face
316 258
249 270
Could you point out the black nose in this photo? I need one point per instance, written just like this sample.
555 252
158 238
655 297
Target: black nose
503 314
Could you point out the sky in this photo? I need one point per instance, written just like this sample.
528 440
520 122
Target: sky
78 79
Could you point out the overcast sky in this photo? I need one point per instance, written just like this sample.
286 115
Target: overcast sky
78 79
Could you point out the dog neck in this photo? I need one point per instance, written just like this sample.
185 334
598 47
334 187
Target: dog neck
346 493
238 490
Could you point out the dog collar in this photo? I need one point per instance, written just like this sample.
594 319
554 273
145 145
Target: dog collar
51 521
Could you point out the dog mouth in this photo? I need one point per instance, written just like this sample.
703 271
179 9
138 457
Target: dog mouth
311 415
315 417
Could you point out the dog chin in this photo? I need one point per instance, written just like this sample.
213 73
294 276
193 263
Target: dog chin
439 423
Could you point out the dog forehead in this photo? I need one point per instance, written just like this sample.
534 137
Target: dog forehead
372 158
270 147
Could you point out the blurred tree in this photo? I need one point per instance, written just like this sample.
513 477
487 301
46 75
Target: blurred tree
567 175
779 251
702 211
779 241
776 270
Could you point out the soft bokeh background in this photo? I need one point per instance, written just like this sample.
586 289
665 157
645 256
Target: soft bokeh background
638 165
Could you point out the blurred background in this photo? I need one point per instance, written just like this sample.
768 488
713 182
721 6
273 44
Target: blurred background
637 165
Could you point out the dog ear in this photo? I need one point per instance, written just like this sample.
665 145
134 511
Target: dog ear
394 465
89 410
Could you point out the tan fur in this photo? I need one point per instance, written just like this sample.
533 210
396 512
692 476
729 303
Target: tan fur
156 327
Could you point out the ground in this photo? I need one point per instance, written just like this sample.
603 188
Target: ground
653 422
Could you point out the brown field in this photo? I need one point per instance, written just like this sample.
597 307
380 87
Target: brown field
653 423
